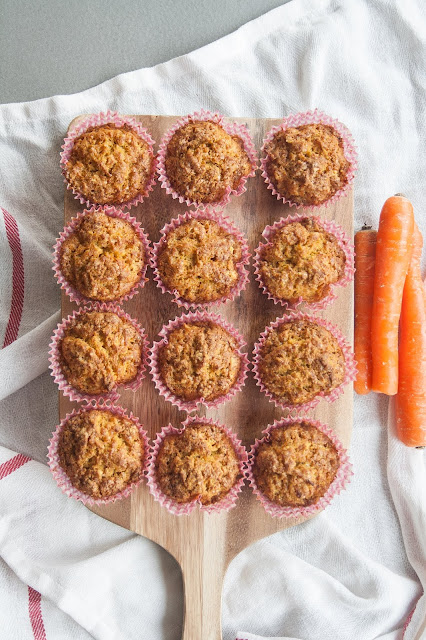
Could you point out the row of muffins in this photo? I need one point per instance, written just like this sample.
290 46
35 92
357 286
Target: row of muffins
201 259
199 359
101 454
108 159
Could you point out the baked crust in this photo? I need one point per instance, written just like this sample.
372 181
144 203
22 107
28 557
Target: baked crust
200 360
300 359
301 260
202 161
296 466
99 351
101 453
109 164
200 463
307 164
199 260
103 258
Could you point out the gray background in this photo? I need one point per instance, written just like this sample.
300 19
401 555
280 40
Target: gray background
51 47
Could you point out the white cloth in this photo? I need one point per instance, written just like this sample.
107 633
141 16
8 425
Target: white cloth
358 569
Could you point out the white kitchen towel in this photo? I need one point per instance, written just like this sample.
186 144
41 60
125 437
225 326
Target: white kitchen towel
358 569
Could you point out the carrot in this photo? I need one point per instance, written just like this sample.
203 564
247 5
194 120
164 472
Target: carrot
365 252
393 250
411 397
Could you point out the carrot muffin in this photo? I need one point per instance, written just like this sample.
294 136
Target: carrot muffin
200 360
199 260
109 164
101 452
307 164
99 351
103 258
296 466
300 359
198 464
301 260
202 161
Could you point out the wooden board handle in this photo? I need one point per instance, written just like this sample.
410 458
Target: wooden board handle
202 585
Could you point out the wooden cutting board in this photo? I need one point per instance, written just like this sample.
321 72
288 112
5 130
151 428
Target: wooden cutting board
204 544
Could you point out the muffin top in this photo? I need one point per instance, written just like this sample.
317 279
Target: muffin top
101 453
103 257
200 360
307 164
203 160
199 260
99 351
296 466
109 164
199 463
301 260
300 359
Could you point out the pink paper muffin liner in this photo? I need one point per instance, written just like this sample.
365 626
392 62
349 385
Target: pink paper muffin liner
226 224
339 483
344 243
61 478
71 292
196 316
350 366
177 508
313 117
96 120
234 129
55 356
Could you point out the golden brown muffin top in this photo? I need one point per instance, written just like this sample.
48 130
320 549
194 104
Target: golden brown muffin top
103 258
203 160
297 466
199 260
200 360
300 359
307 164
101 453
109 164
99 351
301 260
200 463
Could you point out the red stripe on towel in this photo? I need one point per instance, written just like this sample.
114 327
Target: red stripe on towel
36 617
13 464
17 303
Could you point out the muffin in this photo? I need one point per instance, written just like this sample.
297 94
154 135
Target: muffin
295 465
199 361
102 453
199 463
100 350
298 360
199 260
307 164
109 164
103 258
203 161
301 261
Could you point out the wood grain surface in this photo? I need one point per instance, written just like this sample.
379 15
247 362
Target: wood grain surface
204 544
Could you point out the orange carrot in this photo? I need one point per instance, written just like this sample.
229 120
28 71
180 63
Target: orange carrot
365 252
393 251
410 404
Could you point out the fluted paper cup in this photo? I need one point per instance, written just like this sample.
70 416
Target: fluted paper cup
60 476
234 129
178 508
96 120
339 483
226 224
349 149
68 288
